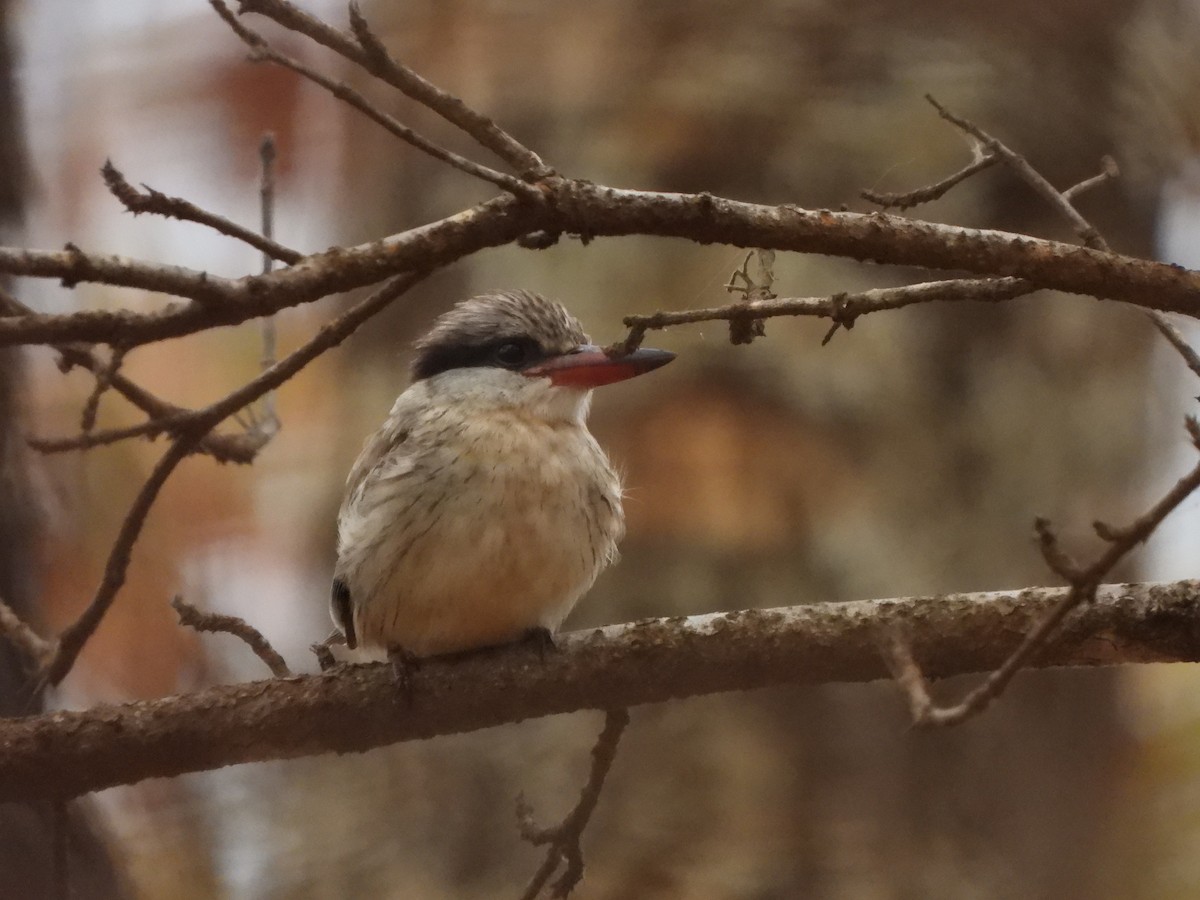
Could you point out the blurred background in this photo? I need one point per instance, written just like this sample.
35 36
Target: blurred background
908 456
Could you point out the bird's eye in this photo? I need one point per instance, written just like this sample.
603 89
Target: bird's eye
512 353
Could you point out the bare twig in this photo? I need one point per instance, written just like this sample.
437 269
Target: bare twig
149 200
933 191
1108 171
563 839
845 308
189 429
367 51
269 424
239 628
1061 201
262 51
32 646
1031 176
1084 583
223 448
87 419
76 635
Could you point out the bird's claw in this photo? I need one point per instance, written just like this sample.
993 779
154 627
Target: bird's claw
541 639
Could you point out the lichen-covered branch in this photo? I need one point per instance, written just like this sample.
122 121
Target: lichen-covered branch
356 708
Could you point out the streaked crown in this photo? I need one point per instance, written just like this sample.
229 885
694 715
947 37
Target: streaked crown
509 330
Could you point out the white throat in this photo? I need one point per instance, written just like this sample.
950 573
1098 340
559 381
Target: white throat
488 389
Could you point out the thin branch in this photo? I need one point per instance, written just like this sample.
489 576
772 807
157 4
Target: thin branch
563 839
1031 176
223 448
269 424
87 419
1084 583
843 308
262 51
367 51
1168 330
86 441
931 192
356 708
239 628
77 634
190 429
149 200
32 646
1109 170
1061 202
239 447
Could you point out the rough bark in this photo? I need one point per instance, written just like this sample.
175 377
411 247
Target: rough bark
356 708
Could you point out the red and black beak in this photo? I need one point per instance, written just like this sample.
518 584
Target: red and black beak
588 366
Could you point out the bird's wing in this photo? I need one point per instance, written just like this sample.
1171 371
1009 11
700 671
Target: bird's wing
386 454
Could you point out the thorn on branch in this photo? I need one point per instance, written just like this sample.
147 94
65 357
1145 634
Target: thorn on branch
193 618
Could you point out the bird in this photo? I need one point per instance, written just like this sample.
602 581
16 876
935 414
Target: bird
483 508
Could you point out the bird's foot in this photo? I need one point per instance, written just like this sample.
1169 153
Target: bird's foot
404 667
541 639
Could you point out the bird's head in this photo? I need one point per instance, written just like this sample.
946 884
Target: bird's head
517 348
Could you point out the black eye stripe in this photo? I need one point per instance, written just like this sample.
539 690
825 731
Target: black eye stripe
442 358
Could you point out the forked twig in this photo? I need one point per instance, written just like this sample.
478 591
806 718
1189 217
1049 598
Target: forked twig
1083 583
1061 201
562 840
367 51
190 428
262 51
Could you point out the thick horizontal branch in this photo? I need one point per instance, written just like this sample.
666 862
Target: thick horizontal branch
357 708
590 211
